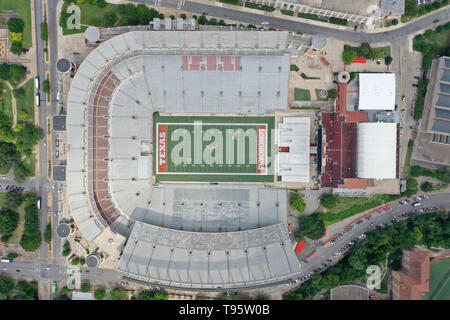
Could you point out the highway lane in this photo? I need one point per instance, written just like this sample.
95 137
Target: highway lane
330 31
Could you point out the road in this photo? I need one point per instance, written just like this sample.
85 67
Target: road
330 31
42 185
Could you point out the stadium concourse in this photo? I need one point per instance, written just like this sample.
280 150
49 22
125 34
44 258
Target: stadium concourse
197 236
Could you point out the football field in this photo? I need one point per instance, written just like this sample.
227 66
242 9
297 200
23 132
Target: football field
213 149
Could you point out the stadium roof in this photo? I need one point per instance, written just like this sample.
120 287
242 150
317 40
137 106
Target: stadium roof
209 260
293 149
376 91
377 150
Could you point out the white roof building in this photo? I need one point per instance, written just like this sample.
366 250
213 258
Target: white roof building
376 91
293 149
377 150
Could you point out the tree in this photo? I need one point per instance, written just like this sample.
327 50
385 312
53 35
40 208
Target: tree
27 138
31 237
364 50
348 56
101 3
412 185
388 60
328 201
17 73
85 287
99 294
202 20
312 226
147 295
426 186
221 22
394 22
8 221
8 154
297 202
144 14
172 17
118 294
110 19
332 94
13 199
183 16
4 71
212 21
12 255
75 261
16 47
161 16
16 25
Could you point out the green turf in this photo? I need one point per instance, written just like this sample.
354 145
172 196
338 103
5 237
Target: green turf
6 101
245 172
26 103
23 8
301 95
439 281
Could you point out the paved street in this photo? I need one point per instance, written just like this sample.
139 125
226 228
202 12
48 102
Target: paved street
330 31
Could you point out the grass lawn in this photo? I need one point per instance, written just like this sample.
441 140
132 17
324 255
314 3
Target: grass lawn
6 101
91 15
259 6
382 52
301 95
349 206
407 166
438 41
439 281
23 8
26 103
234 2
287 12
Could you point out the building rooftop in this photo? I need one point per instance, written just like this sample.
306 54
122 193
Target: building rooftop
376 91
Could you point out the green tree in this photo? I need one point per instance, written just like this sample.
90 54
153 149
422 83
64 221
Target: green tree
75 261
332 94
17 73
99 294
101 3
147 295
388 60
328 201
12 255
297 203
364 50
31 237
394 22
16 25
118 294
426 186
183 16
412 185
8 153
19 92
110 19
4 71
13 199
312 226
172 17
348 56
202 20
8 221
16 47
85 287
27 138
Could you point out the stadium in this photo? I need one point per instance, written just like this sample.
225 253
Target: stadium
171 163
